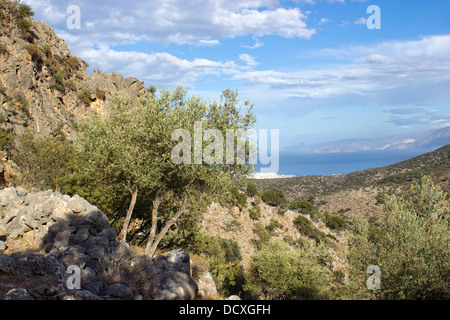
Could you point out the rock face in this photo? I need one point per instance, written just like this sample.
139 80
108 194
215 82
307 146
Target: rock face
60 233
43 87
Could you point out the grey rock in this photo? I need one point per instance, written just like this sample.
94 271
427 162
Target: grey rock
174 285
7 264
82 233
96 252
120 290
96 287
18 294
77 204
179 260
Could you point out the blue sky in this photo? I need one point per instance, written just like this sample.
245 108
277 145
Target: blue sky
312 68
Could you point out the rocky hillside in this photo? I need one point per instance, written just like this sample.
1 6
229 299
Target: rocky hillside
42 86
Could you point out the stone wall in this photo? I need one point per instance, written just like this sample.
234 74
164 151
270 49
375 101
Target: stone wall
45 235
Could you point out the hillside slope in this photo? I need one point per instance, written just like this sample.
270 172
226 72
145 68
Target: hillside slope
436 164
42 86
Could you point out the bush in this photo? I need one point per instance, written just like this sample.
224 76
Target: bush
306 207
34 52
306 227
273 224
252 189
101 94
85 97
279 272
255 213
274 197
25 11
6 140
335 222
238 198
24 24
410 246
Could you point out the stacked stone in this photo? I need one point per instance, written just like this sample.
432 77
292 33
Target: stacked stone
75 233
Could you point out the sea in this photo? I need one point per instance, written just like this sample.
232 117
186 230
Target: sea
326 164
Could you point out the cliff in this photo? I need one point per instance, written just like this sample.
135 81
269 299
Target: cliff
42 86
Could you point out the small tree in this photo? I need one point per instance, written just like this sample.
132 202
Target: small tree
133 147
280 272
411 247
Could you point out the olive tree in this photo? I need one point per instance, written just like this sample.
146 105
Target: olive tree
410 246
134 146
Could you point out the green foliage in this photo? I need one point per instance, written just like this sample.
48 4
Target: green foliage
273 224
72 63
335 222
223 257
238 198
274 197
58 79
44 161
255 212
306 227
101 94
25 11
132 145
85 97
279 272
263 234
34 52
252 189
6 140
411 246
306 207
47 51
24 24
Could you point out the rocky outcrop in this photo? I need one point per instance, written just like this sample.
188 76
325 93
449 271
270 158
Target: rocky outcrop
43 87
46 237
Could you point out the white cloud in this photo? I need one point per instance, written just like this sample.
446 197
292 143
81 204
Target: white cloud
158 68
323 21
178 21
248 60
375 69
362 21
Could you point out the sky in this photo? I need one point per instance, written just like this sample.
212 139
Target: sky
313 69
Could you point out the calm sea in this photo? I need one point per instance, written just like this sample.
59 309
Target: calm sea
301 164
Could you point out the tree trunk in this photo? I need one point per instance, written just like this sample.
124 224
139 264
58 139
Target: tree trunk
153 243
123 233
156 203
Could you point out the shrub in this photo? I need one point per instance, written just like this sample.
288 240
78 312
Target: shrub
279 272
335 222
238 198
274 197
306 227
25 11
101 94
3 48
262 233
73 62
34 52
47 51
6 140
252 189
410 246
273 224
255 213
24 24
85 97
